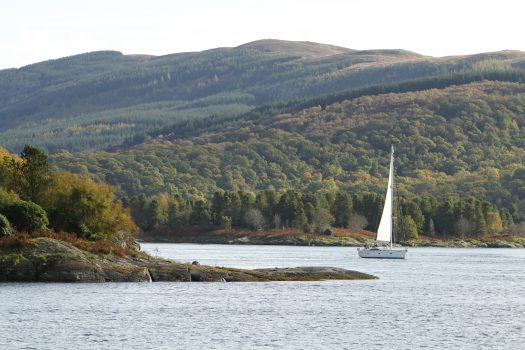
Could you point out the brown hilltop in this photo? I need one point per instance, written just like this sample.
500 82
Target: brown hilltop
306 49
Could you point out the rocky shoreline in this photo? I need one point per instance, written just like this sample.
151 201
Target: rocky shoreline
50 260
336 241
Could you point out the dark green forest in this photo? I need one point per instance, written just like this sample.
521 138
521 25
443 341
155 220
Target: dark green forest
102 99
318 212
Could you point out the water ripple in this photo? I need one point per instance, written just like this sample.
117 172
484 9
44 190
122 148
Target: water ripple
435 299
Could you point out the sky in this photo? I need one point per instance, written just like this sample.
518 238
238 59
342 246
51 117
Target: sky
36 30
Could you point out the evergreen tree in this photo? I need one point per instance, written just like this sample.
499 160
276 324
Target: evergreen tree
291 211
342 209
226 223
173 215
446 217
139 208
411 208
32 174
480 225
156 215
506 218
200 214
218 207
369 205
410 228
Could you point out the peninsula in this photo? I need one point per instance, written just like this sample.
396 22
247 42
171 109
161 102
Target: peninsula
45 259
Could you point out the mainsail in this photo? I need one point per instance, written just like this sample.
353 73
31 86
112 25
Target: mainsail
384 232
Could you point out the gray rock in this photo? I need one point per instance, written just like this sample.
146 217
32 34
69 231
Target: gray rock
50 260
317 272
501 244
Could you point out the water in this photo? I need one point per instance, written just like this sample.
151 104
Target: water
437 298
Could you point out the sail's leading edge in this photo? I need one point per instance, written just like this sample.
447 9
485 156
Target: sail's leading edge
384 232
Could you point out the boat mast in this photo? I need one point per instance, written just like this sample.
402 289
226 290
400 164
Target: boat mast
392 196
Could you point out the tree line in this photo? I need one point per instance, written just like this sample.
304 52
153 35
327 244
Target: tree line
35 198
317 212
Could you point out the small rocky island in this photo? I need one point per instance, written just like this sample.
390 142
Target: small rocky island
46 259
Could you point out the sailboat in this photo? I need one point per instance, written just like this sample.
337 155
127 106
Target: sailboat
386 226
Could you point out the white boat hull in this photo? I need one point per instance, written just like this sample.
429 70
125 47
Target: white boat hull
381 253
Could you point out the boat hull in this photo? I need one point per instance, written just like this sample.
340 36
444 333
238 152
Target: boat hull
381 253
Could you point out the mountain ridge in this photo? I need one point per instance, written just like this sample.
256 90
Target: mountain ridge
101 99
273 45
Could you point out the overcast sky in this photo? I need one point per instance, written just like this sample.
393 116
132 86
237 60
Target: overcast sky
37 30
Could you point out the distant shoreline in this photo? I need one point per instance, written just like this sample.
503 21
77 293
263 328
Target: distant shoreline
296 238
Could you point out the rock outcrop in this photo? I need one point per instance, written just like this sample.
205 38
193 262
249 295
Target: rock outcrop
50 260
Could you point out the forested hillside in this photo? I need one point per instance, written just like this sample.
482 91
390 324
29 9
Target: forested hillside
278 115
462 140
102 99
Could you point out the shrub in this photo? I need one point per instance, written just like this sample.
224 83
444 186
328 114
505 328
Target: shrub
356 222
321 220
226 223
103 246
254 219
14 241
26 216
5 227
79 204
7 198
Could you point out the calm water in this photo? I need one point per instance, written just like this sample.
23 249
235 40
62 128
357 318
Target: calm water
435 299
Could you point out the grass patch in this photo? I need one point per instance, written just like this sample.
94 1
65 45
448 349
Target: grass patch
17 241
98 247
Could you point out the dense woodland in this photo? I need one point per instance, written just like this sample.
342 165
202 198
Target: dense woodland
304 124
462 141
34 199
103 99
318 212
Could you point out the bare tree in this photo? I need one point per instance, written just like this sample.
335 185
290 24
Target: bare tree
463 227
254 219
321 220
276 221
518 228
356 222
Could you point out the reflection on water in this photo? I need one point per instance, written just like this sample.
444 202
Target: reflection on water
437 298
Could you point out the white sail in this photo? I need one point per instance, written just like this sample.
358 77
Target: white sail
384 232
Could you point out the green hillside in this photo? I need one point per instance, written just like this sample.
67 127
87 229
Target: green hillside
102 99
463 140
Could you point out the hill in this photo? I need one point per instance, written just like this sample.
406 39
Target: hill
102 99
462 140
304 49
